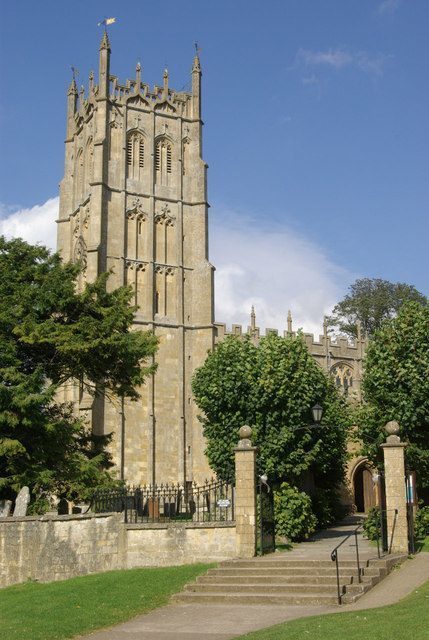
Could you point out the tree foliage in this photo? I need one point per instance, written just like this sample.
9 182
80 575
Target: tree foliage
271 387
371 301
396 387
51 334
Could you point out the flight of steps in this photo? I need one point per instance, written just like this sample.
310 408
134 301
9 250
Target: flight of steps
273 580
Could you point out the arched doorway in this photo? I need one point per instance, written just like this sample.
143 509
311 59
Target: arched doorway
363 488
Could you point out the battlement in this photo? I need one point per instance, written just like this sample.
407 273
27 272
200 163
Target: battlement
333 349
135 93
122 93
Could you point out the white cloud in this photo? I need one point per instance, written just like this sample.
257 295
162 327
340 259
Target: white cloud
341 58
35 225
388 6
337 58
274 269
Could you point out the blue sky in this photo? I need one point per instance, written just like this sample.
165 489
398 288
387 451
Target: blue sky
316 129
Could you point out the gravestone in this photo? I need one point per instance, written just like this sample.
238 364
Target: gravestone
63 507
5 508
21 503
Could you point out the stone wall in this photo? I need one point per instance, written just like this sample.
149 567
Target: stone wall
48 548
161 545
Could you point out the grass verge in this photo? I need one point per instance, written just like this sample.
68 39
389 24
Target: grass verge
58 610
423 545
406 620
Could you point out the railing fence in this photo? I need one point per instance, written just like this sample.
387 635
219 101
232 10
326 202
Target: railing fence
211 502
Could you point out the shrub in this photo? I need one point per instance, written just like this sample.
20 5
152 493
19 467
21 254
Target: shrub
327 507
422 523
294 516
371 526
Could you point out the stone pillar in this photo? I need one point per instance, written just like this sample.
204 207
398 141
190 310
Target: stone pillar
396 498
245 495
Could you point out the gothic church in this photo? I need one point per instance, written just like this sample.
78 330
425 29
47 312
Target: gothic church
134 199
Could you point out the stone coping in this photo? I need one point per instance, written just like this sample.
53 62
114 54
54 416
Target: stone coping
129 525
56 518
180 525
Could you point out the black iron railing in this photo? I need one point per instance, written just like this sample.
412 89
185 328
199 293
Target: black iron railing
381 537
381 532
334 558
211 502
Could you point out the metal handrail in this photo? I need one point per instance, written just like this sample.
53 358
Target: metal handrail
334 558
386 545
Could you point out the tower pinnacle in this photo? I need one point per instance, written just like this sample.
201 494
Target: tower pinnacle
196 84
252 318
105 44
72 88
165 83
289 322
138 76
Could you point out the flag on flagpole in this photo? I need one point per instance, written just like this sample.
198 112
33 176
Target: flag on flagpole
107 21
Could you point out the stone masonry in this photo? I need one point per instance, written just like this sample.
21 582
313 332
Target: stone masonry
245 495
396 499
133 199
47 548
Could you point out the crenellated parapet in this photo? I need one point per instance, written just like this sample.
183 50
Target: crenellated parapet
340 357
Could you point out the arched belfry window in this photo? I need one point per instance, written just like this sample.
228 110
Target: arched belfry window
135 154
342 374
163 161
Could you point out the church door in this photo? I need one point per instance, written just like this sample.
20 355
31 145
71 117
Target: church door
364 491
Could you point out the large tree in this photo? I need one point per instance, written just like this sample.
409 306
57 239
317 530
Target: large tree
271 387
396 387
371 301
52 334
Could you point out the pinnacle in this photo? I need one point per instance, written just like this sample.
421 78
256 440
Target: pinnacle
105 44
72 88
196 66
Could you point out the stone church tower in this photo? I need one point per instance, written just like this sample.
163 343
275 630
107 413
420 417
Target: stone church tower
134 200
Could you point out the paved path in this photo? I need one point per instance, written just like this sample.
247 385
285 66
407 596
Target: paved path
223 622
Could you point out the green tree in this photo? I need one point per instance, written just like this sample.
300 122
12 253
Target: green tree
51 334
396 387
371 301
271 387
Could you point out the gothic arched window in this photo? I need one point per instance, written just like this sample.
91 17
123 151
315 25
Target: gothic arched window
342 374
135 154
163 161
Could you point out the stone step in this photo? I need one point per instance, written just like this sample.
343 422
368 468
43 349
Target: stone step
300 582
188 597
278 579
295 571
276 588
253 562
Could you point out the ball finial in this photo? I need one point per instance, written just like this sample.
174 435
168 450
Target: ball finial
245 432
392 428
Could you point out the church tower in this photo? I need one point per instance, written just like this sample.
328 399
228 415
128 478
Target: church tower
134 199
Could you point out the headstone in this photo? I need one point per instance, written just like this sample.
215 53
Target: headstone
5 508
63 507
21 503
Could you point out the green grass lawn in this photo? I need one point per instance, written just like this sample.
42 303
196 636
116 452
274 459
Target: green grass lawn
406 620
423 545
34 611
